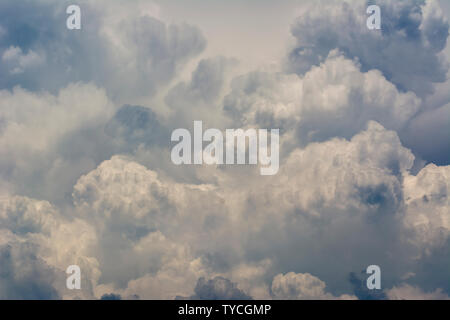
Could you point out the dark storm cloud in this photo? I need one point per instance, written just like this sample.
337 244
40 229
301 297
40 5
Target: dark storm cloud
344 196
360 288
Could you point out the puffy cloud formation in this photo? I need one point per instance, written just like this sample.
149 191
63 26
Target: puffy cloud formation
43 145
332 99
19 61
135 125
428 206
37 245
86 176
362 175
129 53
301 286
405 50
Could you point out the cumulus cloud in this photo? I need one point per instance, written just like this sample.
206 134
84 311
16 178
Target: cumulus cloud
301 286
37 245
218 288
153 217
86 177
354 191
428 205
155 52
405 50
408 292
363 173
332 99
200 98
19 61
43 138
111 296
427 135
130 55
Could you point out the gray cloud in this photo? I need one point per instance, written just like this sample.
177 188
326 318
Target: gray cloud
218 288
135 125
408 292
86 177
39 53
405 50
24 275
111 296
360 289
333 99
292 286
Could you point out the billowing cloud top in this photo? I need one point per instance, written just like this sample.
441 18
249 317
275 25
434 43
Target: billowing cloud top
86 178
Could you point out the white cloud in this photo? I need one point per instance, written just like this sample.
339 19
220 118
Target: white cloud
99 188
39 244
332 99
19 62
43 144
428 205
406 49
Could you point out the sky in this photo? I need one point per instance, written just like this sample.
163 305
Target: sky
86 176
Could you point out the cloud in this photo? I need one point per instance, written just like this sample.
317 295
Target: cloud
354 191
111 296
37 245
155 50
163 224
427 199
408 292
218 288
25 276
19 61
426 135
362 173
113 45
332 99
43 138
301 286
405 50
86 176
360 288
201 97
136 125
144 217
